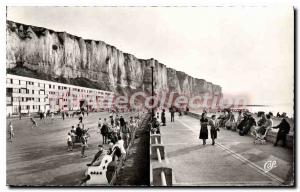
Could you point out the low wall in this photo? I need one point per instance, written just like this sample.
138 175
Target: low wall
160 171
271 135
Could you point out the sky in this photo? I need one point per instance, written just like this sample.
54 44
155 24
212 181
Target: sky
246 50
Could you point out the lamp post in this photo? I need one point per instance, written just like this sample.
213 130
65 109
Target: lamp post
152 86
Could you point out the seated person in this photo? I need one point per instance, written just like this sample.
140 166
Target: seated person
155 126
120 144
249 123
262 120
98 156
268 124
261 130
79 131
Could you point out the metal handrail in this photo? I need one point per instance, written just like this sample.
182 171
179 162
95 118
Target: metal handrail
158 155
163 178
162 173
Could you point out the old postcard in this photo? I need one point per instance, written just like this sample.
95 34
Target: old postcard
150 96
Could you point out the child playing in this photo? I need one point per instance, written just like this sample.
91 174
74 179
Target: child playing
34 124
69 142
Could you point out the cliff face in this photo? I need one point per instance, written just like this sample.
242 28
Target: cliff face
67 56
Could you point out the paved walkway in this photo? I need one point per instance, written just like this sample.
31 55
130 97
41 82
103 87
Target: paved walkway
234 160
38 156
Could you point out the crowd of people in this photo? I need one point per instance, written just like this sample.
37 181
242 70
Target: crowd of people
245 124
115 131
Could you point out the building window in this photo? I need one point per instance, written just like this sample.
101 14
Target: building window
16 99
8 100
24 91
15 109
50 86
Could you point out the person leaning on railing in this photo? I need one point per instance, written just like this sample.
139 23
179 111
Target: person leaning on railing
284 129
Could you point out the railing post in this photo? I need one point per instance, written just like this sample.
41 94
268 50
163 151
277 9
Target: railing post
160 173
163 178
155 136
161 149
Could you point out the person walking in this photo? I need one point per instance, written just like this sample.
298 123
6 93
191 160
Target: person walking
122 122
11 131
83 146
104 131
163 117
63 115
172 111
117 120
284 129
44 116
125 133
203 131
52 117
112 121
34 124
69 142
41 115
213 128
99 124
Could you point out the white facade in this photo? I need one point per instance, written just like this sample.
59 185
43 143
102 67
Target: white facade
30 95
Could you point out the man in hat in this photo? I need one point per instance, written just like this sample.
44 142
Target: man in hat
284 129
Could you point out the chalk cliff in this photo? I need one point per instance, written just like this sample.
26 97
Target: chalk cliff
65 56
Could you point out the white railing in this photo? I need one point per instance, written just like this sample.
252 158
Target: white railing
160 172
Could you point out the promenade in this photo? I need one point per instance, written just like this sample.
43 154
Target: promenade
233 161
38 156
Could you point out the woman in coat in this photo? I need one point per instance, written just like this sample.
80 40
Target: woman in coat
213 128
203 130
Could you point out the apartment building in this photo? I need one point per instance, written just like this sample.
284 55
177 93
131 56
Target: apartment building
29 95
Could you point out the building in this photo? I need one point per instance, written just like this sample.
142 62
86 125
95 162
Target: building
29 95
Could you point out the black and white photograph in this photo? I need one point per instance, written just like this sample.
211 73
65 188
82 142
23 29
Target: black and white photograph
150 96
